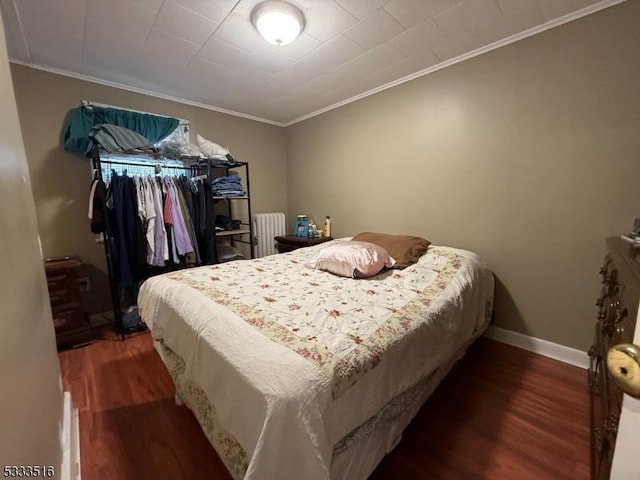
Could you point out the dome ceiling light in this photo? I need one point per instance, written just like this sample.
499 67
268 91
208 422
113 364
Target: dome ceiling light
279 23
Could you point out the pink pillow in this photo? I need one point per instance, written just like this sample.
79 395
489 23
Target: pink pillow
352 259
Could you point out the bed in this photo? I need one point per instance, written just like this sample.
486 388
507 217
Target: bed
297 373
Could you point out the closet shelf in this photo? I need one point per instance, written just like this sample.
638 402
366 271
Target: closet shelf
226 233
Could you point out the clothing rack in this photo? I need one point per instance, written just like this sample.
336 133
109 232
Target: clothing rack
150 166
206 235
142 166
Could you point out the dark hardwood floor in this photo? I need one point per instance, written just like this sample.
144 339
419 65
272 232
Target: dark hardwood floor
502 413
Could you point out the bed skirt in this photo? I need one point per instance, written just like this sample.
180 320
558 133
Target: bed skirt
355 456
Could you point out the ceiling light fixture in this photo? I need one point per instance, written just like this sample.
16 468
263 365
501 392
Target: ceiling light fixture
279 23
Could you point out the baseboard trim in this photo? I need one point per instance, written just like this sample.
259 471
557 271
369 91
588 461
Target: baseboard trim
564 354
70 468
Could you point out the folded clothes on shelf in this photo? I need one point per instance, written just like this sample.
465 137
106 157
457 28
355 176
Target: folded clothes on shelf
228 186
223 222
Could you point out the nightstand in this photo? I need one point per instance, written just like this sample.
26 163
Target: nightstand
289 243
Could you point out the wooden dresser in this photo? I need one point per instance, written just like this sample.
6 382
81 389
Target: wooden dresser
615 323
69 319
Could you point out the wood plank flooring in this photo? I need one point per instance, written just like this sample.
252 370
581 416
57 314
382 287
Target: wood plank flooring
502 413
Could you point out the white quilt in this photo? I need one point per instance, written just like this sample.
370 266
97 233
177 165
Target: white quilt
293 359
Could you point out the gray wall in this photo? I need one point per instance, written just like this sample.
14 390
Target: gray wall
31 398
528 155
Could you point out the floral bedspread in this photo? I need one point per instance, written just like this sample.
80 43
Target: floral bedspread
290 341
342 325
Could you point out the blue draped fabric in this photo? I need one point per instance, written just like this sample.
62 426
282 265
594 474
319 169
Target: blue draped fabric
83 119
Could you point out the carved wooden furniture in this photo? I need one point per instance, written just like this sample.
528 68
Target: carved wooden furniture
69 318
615 324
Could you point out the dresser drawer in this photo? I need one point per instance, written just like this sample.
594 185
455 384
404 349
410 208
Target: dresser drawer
62 296
63 282
58 280
67 317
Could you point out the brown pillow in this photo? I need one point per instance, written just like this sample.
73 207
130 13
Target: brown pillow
405 249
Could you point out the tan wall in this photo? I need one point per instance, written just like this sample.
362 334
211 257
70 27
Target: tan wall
31 398
61 179
528 155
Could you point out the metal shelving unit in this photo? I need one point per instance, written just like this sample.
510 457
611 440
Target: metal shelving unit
235 205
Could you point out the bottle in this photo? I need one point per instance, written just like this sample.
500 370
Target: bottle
301 227
327 226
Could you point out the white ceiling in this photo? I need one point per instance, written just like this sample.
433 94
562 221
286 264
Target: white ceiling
207 52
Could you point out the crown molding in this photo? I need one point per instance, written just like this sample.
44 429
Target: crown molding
121 86
596 7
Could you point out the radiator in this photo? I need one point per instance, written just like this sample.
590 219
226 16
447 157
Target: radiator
265 227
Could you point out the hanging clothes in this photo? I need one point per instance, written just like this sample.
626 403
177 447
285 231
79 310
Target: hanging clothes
145 197
97 206
182 203
124 229
153 222
182 240
161 247
168 222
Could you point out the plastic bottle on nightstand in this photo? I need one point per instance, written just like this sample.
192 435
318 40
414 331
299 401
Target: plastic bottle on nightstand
327 227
